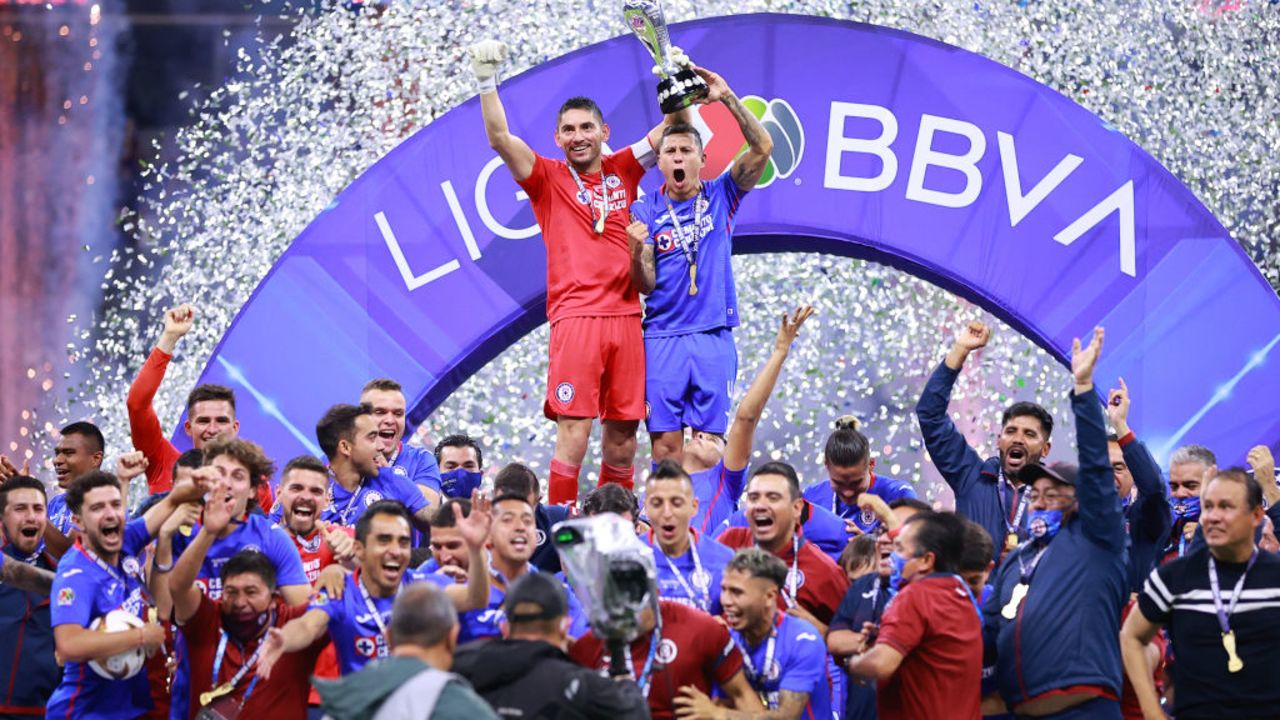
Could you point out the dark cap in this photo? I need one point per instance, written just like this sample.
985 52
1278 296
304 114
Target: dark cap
538 595
1060 472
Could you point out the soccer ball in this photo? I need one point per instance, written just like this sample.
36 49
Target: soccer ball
126 664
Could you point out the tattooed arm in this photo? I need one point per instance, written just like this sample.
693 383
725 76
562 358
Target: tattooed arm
748 168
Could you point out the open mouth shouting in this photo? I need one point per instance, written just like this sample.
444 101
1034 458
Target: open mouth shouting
1015 457
392 568
304 512
521 546
112 533
762 521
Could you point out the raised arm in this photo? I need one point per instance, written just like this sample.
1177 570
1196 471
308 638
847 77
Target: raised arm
1095 486
644 267
22 576
182 579
159 580
737 450
144 425
182 494
474 528
948 449
487 56
296 635
1264 471
748 167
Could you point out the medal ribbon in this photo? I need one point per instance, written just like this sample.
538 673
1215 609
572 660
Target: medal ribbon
1026 572
591 201
1021 497
1224 614
244 668
758 678
380 650
793 577
645 678
687 245
345 513
705 604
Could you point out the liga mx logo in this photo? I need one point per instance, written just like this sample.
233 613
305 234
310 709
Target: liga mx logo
779 120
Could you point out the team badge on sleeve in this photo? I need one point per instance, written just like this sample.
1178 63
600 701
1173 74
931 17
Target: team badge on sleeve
66 596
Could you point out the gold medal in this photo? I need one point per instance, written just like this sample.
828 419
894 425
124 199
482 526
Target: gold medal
214 694
1011 541
1234 663
1010 610
693 278
600 225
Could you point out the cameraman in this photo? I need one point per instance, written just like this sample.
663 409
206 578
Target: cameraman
527 674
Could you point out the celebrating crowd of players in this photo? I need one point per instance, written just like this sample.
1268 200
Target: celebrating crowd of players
353 584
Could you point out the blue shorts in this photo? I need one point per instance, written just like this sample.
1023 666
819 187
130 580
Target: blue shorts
689 381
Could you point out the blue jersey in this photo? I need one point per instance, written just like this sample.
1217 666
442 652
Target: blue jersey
417 465
59 514
346 507
821 527
355 631
887 488
864 602
256 532
486 622
688 580
545 557
798 664
670 309
84 590
717 490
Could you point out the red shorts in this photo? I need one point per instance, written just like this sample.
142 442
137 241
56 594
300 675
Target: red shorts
597 369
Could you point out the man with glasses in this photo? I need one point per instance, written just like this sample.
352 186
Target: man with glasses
1054 615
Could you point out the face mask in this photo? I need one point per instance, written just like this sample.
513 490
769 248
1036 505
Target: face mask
459 483
245 627
1044 524
896 564
1186 508
1126 501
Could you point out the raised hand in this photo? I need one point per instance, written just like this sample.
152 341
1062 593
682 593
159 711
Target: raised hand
130 465
331 582
718 88
1083 360
1263 464
1118 408
474 528
218 508
186 515
637 234
677 57
487 57
876 505
790 327
177 322
342 545
272 649
8 470
973 336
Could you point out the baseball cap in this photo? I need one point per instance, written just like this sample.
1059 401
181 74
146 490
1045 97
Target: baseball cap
1060 472
538 596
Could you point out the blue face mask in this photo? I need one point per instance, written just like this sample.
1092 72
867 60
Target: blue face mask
1186 508
896 564
460 482
1044 524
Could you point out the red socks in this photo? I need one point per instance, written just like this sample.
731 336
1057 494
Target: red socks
562 486
614 474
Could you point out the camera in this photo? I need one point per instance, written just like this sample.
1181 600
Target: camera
611 571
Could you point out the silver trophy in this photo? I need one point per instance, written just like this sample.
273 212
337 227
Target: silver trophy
679 87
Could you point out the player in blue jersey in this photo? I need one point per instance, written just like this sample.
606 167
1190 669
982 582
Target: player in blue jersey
681 240
419 465
783 657
349 437
851 471
79 451
101 573
718 465
461 462
689 564
517 479
357 620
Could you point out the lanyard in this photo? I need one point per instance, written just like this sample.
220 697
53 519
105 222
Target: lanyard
108 569
645 678
969 591
700 577
1025 571
758 678
503 581
793 577
875 600
244 667
688 242
1224 614
381 650
1021 497
597 223
344 514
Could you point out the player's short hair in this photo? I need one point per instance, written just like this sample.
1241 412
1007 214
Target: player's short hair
97 443
190 459
858 552
339 423
777 467
911 503
680 129
611 498
579 102
443 516
513 496
87 483
516 479
846 446
422 616
1252 490
304 462
760 564
383 384
669 469
460 440
978 548
209 391
394 508
247 453
20 482
940 533
1029 409
249 560
1193 454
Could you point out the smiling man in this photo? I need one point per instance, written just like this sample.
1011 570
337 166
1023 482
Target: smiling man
989 492
79 451
26 635
386 399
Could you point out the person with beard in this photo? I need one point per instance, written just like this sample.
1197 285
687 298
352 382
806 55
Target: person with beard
689 566
718 465
1146 512
783 656
517 479
79 450
28 669
511 543
526 673
851 473
356 620
224 636
927 655
597 362
349 437
1054 614
990 492
99 575
815 584
1190 468
680 239
417 465
461 465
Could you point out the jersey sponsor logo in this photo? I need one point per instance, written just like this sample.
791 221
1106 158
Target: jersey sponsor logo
667 651
564 392
797 575
66 596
